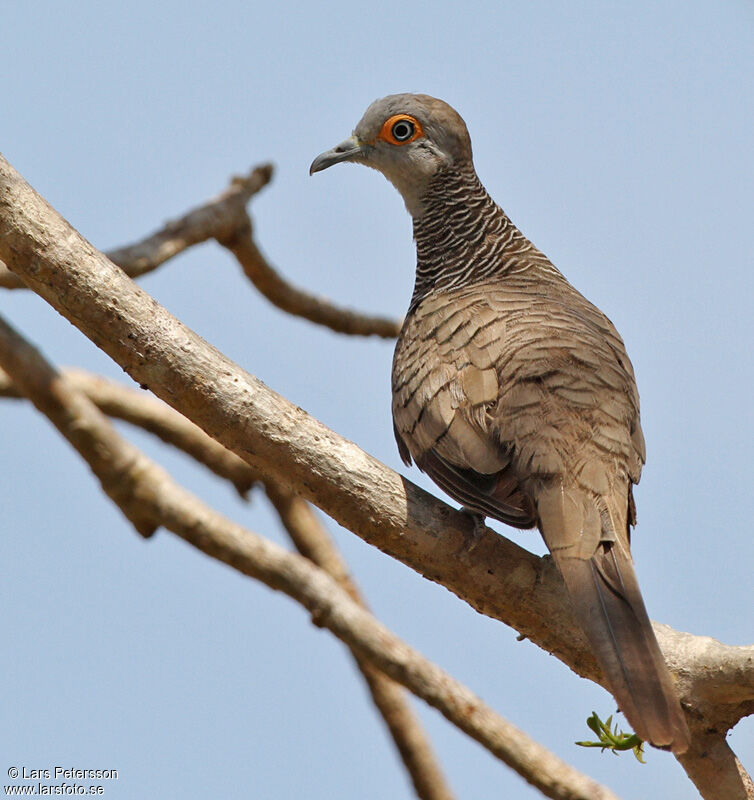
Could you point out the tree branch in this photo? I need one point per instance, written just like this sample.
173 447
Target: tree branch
154 416
145 485
216 219
497 577
300 303
113 460
714 767
224 218
314 543
309 536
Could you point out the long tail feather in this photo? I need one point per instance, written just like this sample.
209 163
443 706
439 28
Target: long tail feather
610 609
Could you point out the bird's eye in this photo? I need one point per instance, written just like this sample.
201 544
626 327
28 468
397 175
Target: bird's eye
400 129
403 130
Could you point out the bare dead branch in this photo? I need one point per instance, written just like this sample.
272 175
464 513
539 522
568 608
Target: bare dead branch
498 578
299 520
145 411
216 219
111 458
309 536
313 542
224 218
714 768
298 302
145 485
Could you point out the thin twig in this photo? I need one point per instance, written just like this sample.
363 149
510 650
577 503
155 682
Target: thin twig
215 219
163 502
298 302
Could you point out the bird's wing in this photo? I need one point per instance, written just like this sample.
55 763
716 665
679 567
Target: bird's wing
519 381
445 385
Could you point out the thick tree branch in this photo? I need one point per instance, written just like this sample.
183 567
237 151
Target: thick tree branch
714 768
140 409
163 502
498 578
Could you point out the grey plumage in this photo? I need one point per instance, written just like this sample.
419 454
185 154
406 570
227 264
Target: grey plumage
515 393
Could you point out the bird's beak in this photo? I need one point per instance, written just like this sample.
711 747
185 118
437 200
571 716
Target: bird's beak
352 149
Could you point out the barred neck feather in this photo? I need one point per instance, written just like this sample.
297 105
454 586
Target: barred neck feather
463 237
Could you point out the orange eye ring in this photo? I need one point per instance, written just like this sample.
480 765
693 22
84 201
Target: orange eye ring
401 129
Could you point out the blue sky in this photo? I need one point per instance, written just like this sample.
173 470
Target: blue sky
618 138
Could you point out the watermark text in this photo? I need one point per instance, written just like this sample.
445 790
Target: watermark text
58 781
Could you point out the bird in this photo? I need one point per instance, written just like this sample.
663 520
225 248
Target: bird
515 394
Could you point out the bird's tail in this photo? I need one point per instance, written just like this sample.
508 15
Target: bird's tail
608 605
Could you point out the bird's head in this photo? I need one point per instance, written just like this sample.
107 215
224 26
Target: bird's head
409 138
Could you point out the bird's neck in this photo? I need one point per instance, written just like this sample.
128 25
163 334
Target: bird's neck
463 237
